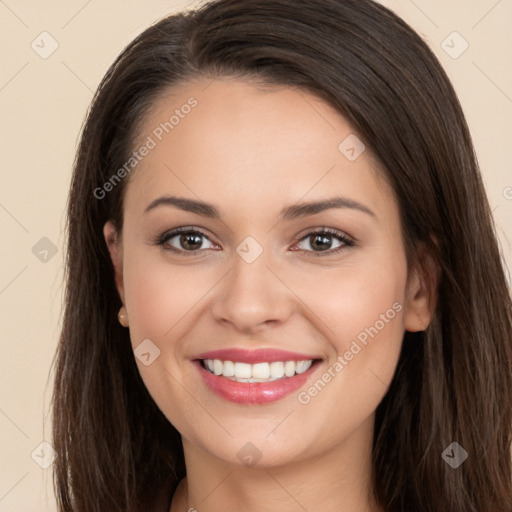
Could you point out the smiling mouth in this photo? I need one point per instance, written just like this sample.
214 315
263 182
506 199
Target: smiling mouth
259 372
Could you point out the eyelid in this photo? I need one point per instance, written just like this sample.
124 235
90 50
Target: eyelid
324 229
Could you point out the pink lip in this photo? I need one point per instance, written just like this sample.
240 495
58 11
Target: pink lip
261 355
253 392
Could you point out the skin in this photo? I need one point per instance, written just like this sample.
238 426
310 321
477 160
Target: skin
252 151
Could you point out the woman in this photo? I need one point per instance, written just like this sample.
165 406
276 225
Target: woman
284 290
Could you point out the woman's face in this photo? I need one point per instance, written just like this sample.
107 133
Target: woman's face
253 280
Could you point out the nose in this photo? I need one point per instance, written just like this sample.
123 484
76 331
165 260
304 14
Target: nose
252 296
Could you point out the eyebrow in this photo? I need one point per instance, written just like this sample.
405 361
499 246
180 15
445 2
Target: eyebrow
289 213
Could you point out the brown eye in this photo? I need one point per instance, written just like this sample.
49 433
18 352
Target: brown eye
320 242
324 241
191 241
184 240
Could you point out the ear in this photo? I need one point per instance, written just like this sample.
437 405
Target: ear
114 245
421 294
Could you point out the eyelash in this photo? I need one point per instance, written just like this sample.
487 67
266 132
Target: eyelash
344 239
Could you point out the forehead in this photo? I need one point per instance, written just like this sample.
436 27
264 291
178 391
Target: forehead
236 140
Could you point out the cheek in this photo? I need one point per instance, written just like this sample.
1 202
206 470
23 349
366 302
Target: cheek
160 298
369 307
361 311
356 296
159 295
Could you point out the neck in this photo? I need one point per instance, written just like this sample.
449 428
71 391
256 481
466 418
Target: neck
338 479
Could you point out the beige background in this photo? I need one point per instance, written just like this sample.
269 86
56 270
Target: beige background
42 105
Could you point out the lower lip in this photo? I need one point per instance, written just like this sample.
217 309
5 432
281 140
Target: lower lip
253 392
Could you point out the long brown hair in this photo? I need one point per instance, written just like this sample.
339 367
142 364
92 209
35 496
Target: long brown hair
453 381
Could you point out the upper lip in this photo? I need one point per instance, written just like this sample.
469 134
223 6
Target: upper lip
251 356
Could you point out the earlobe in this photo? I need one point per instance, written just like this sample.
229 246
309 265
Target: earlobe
113 242
421 298
417 312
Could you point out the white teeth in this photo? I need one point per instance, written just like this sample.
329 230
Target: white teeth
229 369
289 368
302 366
276 370
259 372
217 367
242 371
